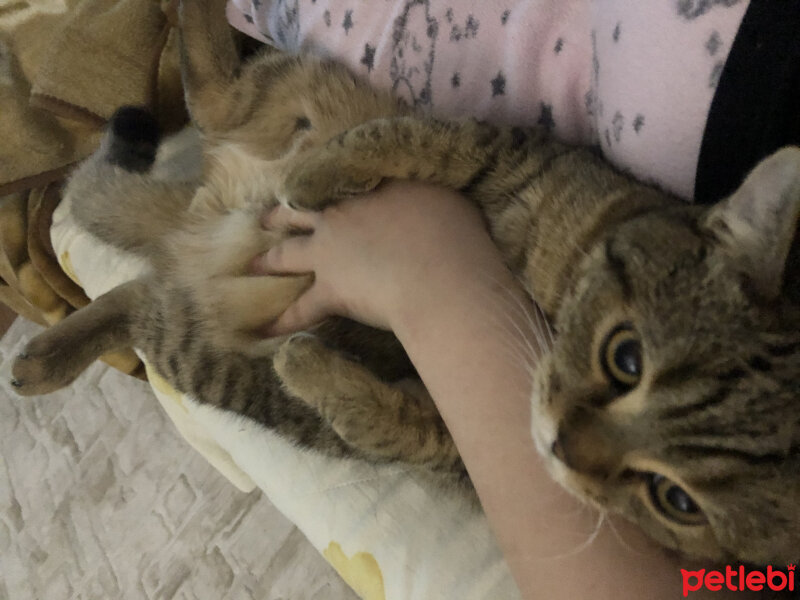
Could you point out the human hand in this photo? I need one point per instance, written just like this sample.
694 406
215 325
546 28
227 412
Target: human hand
378 257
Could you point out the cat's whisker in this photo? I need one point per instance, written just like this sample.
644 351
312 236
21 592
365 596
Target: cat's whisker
493 278
518 357
517 347
507 316
519 333
516 337
517 307
617 535
536 320
521 351
541 314
534 316
543 325
583 545
514 329
547 327
550 331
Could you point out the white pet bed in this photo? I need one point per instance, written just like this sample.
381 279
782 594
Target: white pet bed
389 533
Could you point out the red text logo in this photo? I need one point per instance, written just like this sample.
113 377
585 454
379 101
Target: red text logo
738 580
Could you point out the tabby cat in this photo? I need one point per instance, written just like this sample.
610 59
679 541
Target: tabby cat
669 395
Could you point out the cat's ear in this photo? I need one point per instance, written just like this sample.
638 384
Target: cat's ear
758 223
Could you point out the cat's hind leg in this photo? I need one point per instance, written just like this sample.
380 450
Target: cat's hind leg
222 91
55 357
384 421
237 309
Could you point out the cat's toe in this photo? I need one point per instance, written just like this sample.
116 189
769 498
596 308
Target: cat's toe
26 376
297 354
322 181
34 375
303 363
302 191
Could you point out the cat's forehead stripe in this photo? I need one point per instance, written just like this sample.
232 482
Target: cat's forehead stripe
617 266
781 350
703 403
676 375
698 450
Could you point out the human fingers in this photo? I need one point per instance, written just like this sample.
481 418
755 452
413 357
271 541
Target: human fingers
308 310
290 256
282 218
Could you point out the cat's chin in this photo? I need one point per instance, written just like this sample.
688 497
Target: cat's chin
544 430
544 425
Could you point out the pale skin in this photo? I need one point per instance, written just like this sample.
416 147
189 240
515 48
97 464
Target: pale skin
417 259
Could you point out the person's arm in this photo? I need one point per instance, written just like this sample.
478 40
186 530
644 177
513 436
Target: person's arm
418 260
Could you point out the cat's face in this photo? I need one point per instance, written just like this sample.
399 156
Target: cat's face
671 395
281 116
268 119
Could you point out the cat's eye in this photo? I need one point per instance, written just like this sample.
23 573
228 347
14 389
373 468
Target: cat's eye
621 356
672 501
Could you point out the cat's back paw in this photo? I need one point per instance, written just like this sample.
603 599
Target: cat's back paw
134 135
42 367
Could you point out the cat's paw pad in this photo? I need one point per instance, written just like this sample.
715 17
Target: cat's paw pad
40 369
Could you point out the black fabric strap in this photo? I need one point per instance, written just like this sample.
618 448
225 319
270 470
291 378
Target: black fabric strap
756 108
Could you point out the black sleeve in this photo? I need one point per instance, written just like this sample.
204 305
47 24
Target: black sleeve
756 108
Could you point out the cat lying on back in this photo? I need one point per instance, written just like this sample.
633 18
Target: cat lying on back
669 395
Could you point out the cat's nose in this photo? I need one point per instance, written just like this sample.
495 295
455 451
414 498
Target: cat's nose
580 453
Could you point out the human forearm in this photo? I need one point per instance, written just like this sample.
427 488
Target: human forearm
473 346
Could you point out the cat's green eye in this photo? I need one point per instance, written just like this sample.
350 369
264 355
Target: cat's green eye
672 501
621 356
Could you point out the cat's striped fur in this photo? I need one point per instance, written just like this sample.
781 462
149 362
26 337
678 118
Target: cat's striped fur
703 449
669 396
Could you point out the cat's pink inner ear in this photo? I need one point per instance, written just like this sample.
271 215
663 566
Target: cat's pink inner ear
759 221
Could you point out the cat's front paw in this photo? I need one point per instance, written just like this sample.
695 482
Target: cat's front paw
323 180
44 366
304 365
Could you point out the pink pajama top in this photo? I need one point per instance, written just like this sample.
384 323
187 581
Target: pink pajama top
635 77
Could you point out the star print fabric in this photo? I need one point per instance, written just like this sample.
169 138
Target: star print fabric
635 78
483 58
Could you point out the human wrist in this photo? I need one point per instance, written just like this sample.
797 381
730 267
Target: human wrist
482 299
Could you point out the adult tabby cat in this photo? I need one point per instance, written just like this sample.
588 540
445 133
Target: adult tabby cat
669 395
